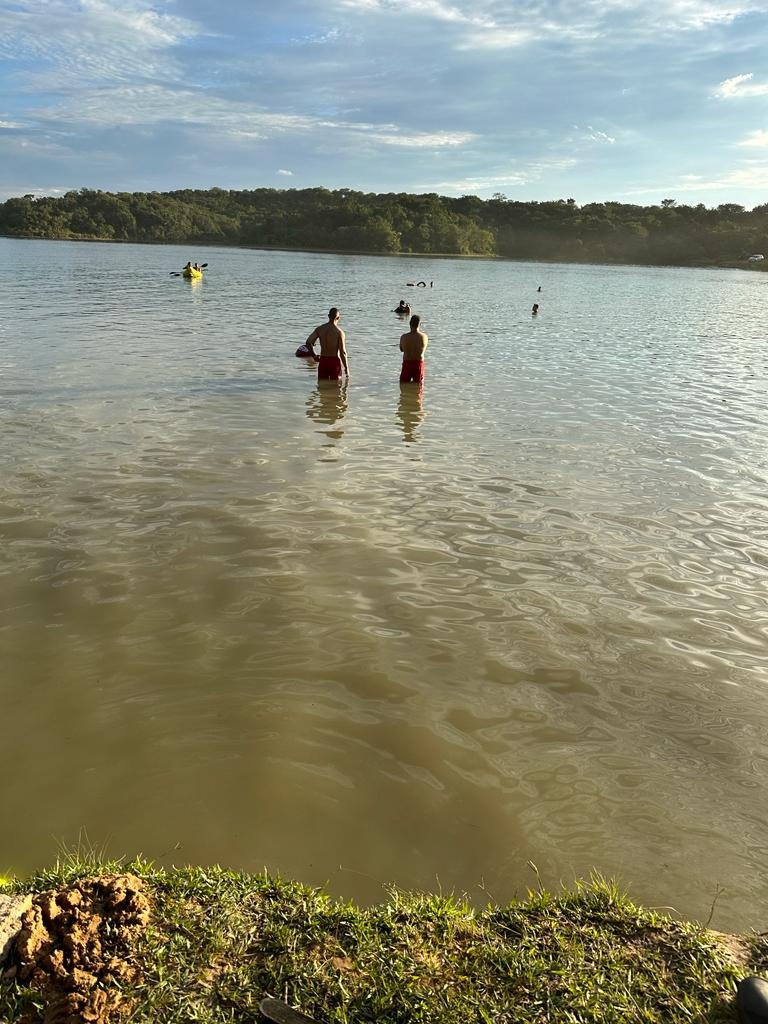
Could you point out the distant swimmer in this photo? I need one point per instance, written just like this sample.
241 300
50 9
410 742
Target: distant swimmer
539 288
333 350
413 345
535 309
403 309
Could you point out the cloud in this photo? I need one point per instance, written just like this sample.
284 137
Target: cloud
14 191
287 174
472 185
424 140
531 171
494 38
741 85
333 35
596 136
590 134
489 24
753 174
479 30
756 138
67 44
151 105
700 14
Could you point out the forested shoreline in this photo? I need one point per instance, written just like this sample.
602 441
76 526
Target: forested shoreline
344 220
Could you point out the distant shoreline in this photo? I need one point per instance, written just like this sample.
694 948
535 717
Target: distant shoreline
760 267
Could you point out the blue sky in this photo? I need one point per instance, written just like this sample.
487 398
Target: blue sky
538 99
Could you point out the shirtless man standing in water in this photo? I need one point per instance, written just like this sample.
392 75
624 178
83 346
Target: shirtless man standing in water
333 352
412 345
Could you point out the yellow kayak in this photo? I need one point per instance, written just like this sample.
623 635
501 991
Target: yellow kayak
191 273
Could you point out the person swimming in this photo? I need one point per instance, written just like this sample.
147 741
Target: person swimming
535 309
403 309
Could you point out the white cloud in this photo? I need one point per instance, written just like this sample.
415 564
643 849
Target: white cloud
741 85
756 138
152 105
593 135
480 31
481 184
488 24
333 35
699 14
494 38
590 134
498 182
424 140
287 174
92 41
14 191
753 174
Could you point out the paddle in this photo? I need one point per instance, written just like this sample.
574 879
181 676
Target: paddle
180 273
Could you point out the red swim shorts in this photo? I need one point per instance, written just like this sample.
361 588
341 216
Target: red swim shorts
329 368
412 372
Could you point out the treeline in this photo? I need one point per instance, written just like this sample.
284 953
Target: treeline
344 220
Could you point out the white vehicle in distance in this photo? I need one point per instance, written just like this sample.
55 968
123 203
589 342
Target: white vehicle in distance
756 257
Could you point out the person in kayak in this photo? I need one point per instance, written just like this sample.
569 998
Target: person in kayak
333 350
413 345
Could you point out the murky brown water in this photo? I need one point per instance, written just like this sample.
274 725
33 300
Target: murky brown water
360 636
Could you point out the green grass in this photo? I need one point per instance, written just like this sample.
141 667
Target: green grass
219 941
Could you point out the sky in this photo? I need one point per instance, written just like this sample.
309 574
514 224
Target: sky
593 100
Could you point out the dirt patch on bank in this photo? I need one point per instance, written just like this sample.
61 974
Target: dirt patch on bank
74 948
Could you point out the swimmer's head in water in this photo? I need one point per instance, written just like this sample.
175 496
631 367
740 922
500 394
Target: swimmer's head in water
333 314
415 321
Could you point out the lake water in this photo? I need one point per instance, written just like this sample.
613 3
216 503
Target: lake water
360 635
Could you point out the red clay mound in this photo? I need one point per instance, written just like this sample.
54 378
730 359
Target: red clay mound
75 948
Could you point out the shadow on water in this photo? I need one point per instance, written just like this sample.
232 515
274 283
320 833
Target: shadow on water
327 404
410 411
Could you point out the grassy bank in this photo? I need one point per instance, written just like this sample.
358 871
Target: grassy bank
197 944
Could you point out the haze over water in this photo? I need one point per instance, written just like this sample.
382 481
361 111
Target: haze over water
361 637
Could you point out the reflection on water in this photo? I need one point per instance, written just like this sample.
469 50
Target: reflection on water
410 410
249 619
327 405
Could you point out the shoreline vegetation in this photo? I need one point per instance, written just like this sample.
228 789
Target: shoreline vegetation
129 942
345 221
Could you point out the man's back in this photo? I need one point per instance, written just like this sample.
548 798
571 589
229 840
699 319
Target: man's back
413 344
331 339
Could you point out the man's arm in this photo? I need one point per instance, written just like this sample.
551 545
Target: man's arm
310 342
343 352
402 339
